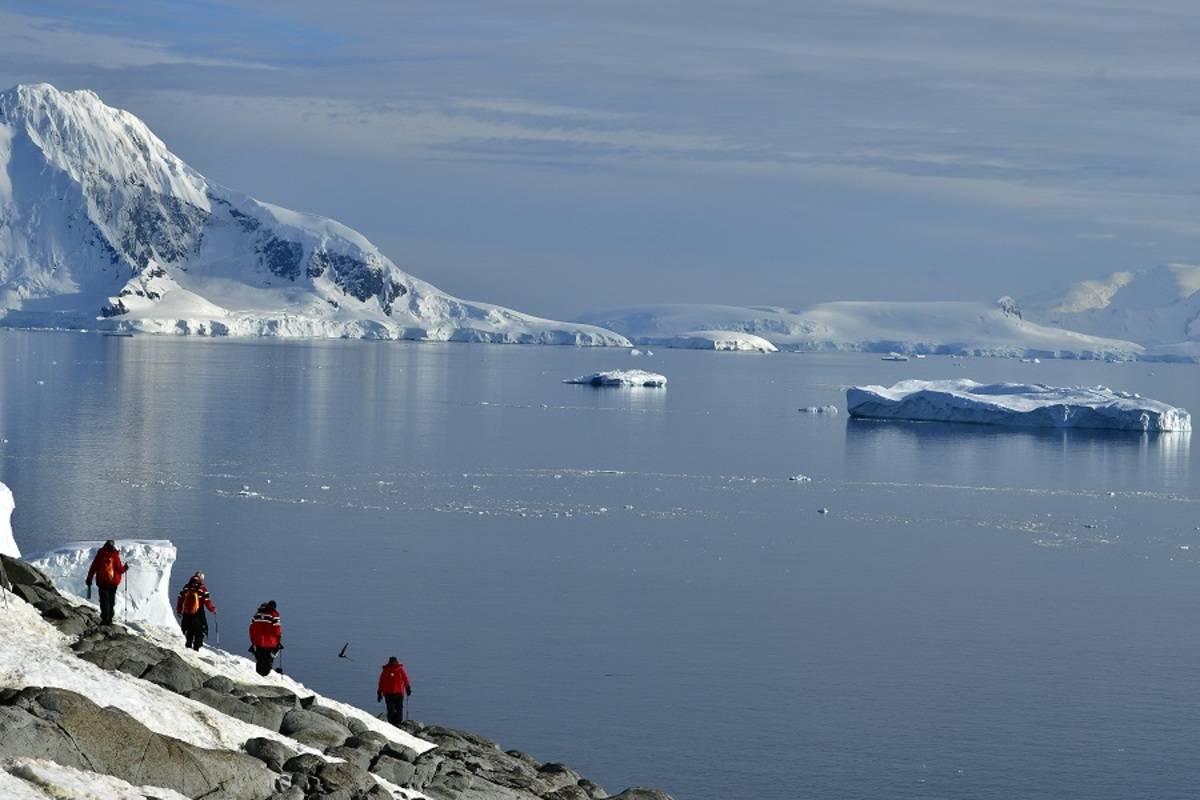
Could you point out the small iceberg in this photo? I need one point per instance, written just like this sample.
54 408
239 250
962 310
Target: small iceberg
819 410
894 357
1018 405
621 377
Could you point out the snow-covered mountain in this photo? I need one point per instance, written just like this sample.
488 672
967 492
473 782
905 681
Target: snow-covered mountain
102 226
1158 307
955 328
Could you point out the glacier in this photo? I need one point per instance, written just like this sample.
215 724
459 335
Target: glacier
102 227
1015 405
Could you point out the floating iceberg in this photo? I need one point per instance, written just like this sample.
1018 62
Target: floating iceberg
1015 404
145 594
8 545
621 377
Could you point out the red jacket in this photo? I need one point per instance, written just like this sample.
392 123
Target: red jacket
107 563
265 630
394 680
205 600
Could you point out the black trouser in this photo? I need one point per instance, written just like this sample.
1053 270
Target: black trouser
195 628
264 658
395 708
108 602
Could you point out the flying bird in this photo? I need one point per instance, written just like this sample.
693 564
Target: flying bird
342 652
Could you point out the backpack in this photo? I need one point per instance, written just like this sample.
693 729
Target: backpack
107 573
191 601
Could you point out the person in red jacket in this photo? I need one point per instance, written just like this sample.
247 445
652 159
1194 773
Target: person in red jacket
107 570
193 599
266 636
394 686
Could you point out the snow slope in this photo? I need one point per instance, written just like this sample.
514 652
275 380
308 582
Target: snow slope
102 226
145 594
1158 307
8 545
1015 405
954 328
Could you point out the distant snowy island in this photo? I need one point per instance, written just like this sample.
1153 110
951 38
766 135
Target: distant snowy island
103 228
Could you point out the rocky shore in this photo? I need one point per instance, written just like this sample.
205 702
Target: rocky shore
123 714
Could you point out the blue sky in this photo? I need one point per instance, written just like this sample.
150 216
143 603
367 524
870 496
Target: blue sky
566 156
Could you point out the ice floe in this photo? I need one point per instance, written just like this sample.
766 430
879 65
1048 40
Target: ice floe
621 377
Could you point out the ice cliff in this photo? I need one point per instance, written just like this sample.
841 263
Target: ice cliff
8 545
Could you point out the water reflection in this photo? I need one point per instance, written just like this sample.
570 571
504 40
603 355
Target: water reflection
983 454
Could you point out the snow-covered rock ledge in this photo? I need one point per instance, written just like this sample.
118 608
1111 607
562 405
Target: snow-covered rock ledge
96 713
1015 405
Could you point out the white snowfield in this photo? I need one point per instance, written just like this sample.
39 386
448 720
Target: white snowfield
1157 307
8 545
145 595
622 377
38 779
1015 405
949 328
101 226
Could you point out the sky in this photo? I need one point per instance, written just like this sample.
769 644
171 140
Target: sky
562 157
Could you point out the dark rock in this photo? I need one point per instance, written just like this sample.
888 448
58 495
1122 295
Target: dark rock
594 790
265 714
22 573
640 793
400 752
173 673
290 793
272 753
525 757
356 725
329 713
71 730
344 776
219 683
359 758
573 792
122 653
368 740
305 763
313 729
394 770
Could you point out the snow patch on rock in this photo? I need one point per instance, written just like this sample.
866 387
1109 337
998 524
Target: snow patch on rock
1015 405
145 595
39 779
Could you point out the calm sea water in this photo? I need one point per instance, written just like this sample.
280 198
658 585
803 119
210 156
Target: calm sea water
628 581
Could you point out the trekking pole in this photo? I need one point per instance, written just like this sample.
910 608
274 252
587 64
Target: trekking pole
126 602
217 622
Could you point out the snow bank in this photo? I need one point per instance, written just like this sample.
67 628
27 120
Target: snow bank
38 779
145 594
8 545
1015 404
621 377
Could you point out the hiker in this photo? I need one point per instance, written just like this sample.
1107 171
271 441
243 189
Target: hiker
193 599
107 570
394 686
266 636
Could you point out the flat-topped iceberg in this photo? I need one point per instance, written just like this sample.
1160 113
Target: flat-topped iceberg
1015 404
621 377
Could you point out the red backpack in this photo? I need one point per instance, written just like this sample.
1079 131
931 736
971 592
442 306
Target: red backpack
106 573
